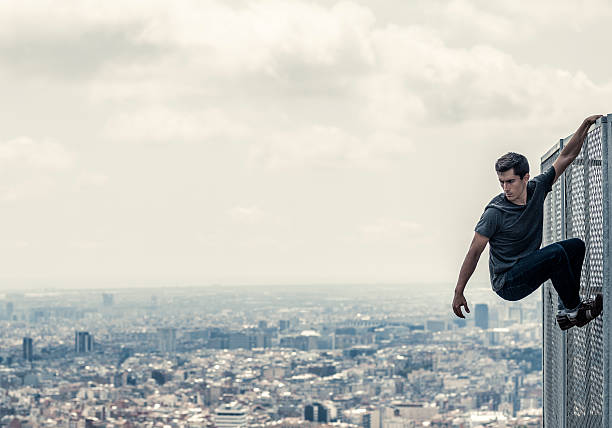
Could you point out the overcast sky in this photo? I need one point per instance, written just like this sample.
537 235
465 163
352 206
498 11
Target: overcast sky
201 142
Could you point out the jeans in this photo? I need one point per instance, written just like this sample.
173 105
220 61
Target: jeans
560 262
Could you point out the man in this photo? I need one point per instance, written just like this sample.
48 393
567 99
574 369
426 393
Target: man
512 224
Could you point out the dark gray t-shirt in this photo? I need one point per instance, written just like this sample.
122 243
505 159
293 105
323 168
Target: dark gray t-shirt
514 231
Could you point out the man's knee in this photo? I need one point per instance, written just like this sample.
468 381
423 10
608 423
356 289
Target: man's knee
574 246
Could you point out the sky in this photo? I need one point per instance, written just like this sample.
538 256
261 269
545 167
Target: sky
275 142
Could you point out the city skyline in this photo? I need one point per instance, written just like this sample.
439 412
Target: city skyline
240 356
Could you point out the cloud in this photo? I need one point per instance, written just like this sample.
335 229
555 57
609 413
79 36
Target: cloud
421 98
280 67
92 179
327 147
207 69
32 168
388 229
160 124
246 215
43 154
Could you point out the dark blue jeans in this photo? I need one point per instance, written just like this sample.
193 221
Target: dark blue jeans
560 262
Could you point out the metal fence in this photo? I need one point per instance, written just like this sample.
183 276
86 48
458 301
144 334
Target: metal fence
576 362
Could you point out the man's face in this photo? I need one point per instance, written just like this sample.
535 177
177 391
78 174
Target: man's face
514 188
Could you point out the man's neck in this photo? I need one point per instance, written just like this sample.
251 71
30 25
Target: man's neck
522 200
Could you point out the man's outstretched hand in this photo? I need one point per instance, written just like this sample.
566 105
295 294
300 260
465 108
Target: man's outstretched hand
458 301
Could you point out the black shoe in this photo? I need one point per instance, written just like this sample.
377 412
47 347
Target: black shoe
587 312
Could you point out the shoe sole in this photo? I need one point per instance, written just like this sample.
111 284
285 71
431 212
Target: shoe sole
564 322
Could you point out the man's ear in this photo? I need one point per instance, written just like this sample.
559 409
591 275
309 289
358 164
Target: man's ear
526 177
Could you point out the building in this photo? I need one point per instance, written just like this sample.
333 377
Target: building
231 415
9 309
481 315
27 349
238 340
108 299
435 325
317 412
83 342
167 339
284 325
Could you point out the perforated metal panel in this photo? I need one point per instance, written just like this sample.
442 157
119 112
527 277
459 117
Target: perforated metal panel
575 362
554 339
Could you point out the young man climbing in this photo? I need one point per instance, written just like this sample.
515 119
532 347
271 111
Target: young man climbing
512 225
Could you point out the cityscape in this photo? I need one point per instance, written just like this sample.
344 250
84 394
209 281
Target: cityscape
242 213
278 356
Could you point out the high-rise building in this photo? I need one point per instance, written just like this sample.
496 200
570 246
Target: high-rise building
577 386
83 342
167 339
27 349
231 415
284 325
9 309
108 299
238 340
316 412
516 314
481 316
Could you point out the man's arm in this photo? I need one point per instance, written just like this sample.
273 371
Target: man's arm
479 242
571 151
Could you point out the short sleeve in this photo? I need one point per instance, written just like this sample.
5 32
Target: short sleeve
489 222
546 178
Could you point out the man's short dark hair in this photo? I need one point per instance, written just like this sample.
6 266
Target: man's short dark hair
513 160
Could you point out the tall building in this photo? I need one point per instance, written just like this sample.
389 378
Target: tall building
27 349
316 412
83 342
284 325
231 416
481 315
167 339
577 372
238 340
108 299
9 310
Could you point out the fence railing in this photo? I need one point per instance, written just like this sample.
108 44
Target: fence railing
576 362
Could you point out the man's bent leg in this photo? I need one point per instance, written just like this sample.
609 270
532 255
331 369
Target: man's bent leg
575 250
550 262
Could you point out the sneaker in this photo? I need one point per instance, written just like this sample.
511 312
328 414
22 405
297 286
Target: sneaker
588 310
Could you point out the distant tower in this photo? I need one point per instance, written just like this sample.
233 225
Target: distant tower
9 309
27 349
107 299
481 312
167 339
316 412
284 325
83 342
